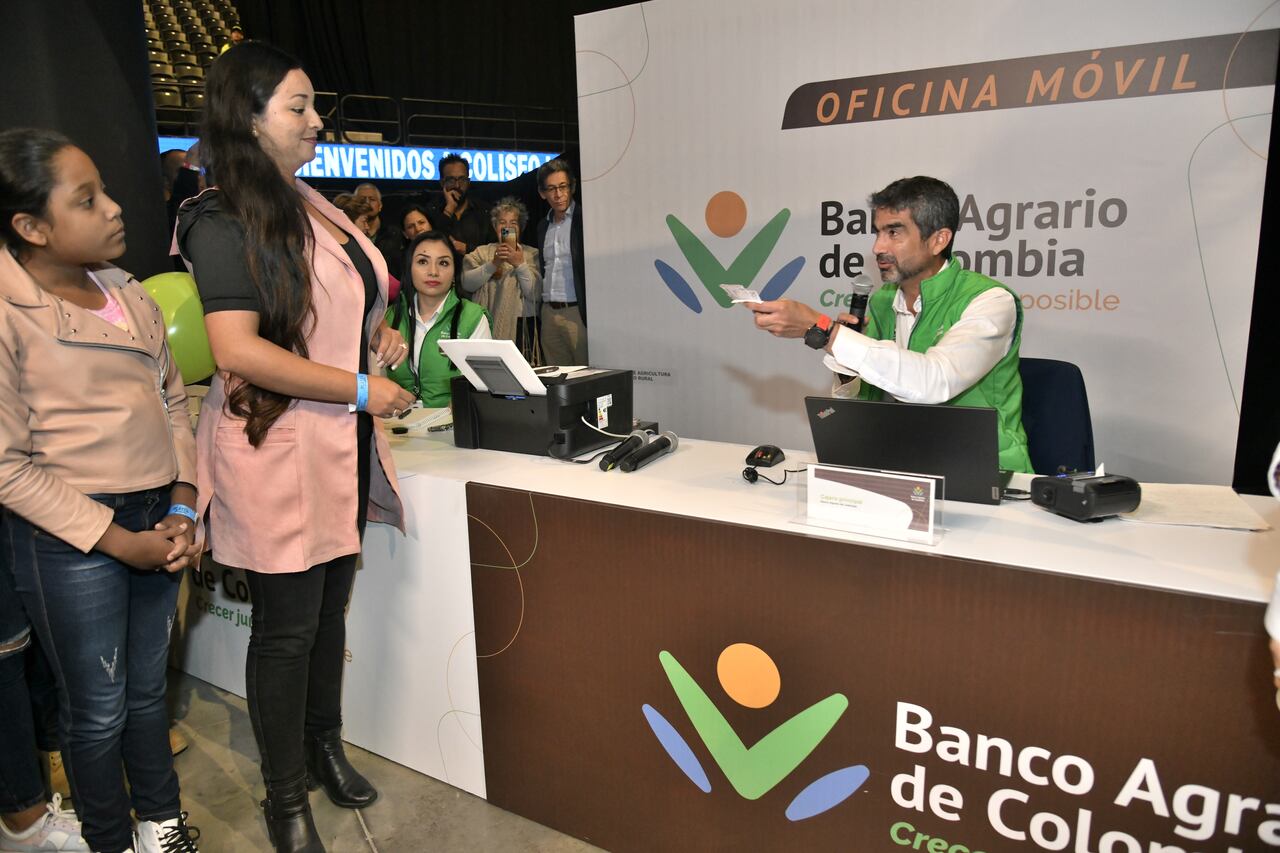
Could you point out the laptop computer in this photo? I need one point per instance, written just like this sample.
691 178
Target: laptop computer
956 442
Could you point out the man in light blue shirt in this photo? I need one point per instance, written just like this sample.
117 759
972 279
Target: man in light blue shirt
564 281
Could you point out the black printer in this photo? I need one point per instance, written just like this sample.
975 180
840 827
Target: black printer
569 421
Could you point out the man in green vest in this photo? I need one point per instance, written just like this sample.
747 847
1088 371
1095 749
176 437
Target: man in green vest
935 332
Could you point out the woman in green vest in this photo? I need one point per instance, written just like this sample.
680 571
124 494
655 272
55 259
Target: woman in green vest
429 312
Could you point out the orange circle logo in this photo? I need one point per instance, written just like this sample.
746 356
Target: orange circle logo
726 213
749 675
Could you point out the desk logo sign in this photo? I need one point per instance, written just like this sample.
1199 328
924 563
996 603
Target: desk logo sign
751 678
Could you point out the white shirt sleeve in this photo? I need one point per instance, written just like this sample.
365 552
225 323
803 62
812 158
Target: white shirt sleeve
969 349
482 331
527 276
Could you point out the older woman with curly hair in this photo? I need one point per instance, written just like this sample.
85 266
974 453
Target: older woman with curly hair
503 277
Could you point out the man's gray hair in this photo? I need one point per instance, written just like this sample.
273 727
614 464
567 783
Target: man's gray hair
550 167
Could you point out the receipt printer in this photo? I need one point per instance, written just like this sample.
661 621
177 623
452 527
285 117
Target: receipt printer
569 420
1086 497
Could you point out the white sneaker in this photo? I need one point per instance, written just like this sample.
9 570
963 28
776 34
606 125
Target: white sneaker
169 836
56 830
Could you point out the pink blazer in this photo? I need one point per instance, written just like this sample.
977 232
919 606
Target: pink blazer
290 503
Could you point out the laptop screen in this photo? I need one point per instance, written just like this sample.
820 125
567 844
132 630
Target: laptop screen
959 443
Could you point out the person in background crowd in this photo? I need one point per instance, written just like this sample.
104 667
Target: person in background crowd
97 463
459 215
428 312
967 354
187 182
236 36
294 299
171 163
384 235
415 221
503 278
358 210
31 815
564 280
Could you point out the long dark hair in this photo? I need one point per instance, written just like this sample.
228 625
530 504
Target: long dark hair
268 207
26 179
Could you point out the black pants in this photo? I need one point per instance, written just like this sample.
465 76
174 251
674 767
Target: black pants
293 672
297 645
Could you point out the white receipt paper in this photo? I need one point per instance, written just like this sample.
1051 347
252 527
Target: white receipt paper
1195 506
738 293
421 420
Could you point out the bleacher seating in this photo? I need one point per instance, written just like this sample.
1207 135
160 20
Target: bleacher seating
183 40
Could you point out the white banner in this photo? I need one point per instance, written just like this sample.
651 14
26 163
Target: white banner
1109 159
410 690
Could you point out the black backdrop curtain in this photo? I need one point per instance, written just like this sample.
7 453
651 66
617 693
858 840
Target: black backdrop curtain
488 51
80 67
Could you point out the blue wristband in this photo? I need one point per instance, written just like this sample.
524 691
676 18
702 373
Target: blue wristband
183 510
362 391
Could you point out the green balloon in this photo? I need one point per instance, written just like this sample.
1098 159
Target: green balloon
179 301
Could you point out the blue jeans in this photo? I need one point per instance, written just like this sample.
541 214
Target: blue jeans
105 630
28 705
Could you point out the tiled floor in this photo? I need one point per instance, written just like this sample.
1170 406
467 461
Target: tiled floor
221 787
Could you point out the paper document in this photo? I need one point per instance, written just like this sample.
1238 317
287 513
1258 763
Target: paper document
738 293
1195 506
420 421
551 371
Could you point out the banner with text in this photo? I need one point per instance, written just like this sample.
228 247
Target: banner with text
1109 160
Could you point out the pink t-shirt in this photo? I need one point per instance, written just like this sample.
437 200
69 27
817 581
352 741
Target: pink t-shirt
111 312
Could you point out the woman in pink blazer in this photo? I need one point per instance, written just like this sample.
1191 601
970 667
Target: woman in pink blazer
290 462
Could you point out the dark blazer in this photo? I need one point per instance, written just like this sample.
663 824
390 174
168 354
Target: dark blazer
575 249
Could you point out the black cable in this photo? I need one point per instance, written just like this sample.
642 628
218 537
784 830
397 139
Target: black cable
586 461
751 474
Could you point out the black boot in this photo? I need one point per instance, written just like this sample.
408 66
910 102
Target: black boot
328 768
289 823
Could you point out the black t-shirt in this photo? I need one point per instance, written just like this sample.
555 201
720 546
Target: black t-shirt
214 243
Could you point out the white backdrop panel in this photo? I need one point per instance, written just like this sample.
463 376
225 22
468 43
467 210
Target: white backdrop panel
681 101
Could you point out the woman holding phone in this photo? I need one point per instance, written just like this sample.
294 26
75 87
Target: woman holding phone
503 277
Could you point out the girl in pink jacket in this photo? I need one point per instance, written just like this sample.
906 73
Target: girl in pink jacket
97 473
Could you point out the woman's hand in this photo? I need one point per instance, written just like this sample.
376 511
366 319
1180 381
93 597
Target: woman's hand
387 399
508 254
389 347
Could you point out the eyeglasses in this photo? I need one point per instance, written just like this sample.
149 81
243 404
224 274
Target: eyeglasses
454 180
557 189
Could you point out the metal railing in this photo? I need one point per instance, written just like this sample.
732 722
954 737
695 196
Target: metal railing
416 122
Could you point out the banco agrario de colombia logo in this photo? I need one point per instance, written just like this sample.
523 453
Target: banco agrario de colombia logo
751 678
726 214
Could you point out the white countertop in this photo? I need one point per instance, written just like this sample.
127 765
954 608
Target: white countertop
703 479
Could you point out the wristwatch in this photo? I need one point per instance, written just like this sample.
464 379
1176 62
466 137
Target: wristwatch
819 333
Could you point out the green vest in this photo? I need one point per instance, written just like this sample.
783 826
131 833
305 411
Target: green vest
431 385
943 299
